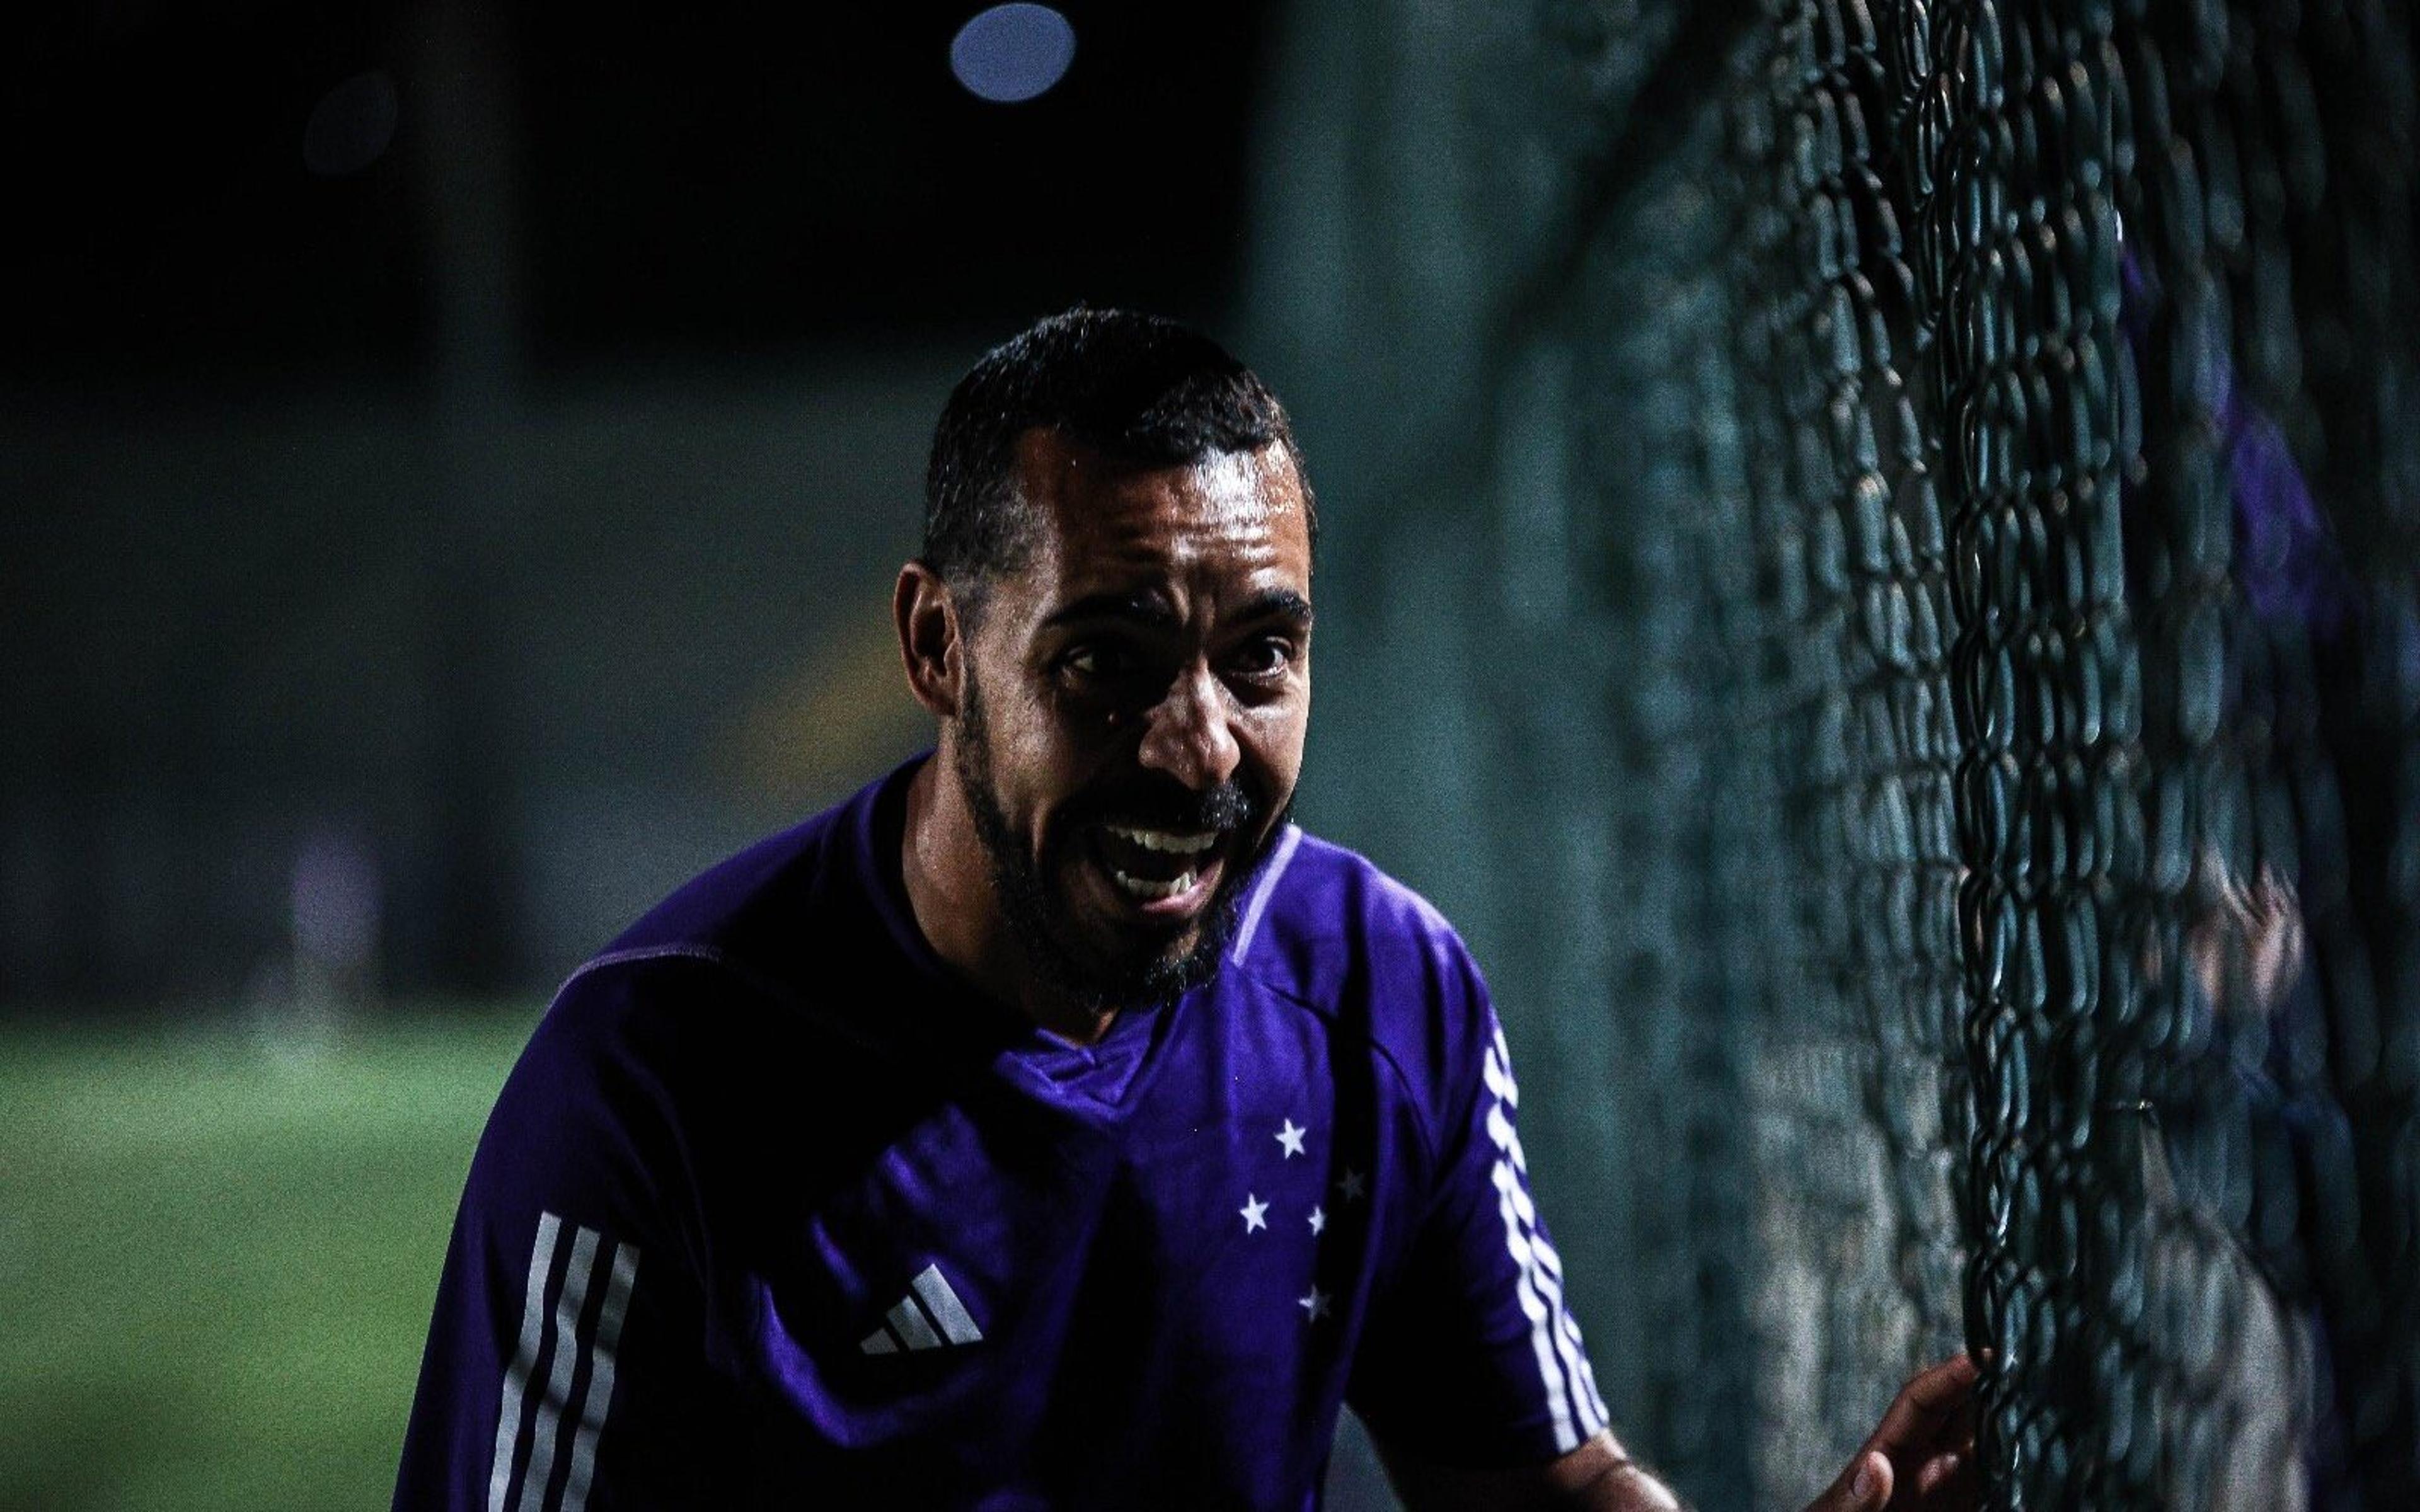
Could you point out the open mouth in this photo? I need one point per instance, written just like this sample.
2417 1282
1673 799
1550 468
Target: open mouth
1167 874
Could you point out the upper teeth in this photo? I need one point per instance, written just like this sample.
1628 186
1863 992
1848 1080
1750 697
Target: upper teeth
1166 839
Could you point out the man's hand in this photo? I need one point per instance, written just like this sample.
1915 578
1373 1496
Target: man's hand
1923 1455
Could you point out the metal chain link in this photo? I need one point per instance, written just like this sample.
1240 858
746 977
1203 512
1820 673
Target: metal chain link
2000 423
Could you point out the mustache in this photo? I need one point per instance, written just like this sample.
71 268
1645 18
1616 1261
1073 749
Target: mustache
1173 805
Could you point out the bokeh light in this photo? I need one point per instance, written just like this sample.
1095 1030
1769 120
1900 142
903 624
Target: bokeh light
1013 52
352 126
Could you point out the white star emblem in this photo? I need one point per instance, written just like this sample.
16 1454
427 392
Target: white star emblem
1291 1137
1255 1212
1315 1304
1318 1220
1353 1185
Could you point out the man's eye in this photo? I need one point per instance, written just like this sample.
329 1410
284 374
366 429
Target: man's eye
1098 661
1264 658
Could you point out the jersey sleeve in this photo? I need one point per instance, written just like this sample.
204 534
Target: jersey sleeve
1471 1359
565 1368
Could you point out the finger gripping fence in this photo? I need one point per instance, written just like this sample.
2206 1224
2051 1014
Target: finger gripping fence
2001 420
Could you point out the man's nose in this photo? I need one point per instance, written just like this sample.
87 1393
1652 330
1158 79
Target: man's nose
1185 733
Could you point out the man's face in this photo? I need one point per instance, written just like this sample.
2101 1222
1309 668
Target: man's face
1135 699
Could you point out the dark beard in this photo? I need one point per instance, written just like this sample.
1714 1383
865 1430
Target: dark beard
1038 922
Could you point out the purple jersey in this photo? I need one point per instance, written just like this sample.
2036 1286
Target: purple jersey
775 1209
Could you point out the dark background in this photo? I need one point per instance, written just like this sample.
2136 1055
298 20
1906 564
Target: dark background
372 370
724 185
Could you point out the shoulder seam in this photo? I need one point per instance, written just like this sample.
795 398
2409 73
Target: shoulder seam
1239 959
1261 894
746 975
1429 1146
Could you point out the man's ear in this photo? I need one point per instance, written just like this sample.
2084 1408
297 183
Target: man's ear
931 641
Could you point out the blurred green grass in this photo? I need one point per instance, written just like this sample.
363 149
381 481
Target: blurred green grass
218 1252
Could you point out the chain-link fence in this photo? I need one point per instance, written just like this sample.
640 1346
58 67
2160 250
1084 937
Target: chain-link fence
1959 464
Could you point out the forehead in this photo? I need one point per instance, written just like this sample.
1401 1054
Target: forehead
1231 515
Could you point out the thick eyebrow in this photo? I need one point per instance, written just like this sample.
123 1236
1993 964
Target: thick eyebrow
1279 604
1150 610
1140 608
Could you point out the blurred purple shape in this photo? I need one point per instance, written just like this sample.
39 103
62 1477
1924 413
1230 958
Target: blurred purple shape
1013 52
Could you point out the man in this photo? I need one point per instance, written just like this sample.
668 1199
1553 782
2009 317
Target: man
1054 1123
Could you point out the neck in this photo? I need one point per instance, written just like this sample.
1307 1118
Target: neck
957 905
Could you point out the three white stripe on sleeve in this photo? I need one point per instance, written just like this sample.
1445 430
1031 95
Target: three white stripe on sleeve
1570 1385
1572 1398
577 1339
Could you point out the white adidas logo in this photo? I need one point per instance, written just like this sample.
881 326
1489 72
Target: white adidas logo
928 1318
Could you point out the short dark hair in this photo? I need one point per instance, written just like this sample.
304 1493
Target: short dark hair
1141 388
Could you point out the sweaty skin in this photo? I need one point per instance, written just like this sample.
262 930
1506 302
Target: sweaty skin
1155 642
